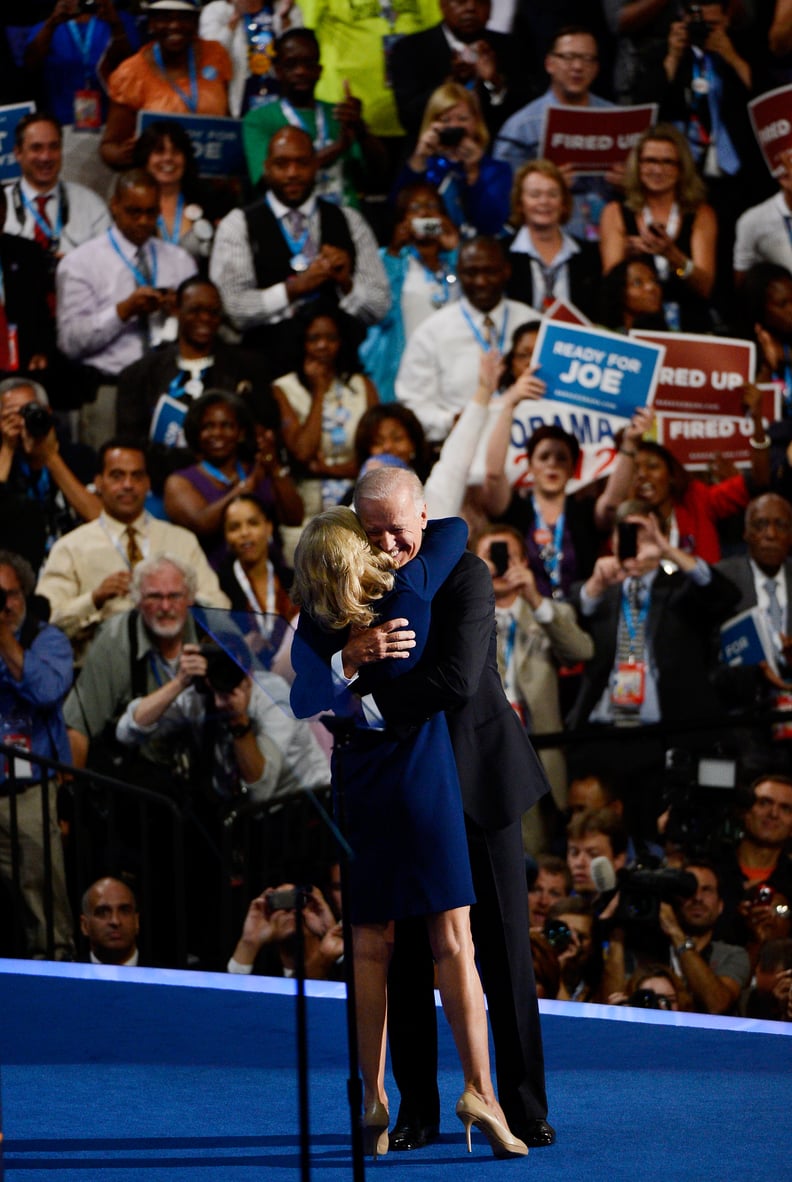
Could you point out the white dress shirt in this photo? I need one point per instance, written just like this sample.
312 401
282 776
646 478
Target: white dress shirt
760 579
92 281
231 267
439 368
87 213
764 235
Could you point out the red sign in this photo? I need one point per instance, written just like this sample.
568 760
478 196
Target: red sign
594 139
567 313
771 116
701 374
696 440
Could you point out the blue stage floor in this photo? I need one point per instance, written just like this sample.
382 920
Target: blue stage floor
149 1076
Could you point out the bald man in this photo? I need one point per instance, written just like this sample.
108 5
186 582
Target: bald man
292 246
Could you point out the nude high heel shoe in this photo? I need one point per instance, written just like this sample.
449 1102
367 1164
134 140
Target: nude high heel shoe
503 1143
375 1130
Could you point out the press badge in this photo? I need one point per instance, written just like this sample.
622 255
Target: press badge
87 110
629 685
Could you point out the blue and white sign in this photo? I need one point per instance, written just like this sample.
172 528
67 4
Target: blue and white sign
595 370
217 140
9 117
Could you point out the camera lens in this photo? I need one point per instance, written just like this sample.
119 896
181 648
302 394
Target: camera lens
37 419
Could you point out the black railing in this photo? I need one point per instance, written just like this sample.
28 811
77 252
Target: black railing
109 825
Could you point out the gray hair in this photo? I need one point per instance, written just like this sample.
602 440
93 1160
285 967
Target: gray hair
381 483
21 568
150 566
22 383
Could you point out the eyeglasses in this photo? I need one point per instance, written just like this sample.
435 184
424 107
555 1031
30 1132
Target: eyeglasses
157 597
586 59
660 161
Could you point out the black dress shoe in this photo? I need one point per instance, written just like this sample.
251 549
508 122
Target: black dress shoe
536 1133
407 1135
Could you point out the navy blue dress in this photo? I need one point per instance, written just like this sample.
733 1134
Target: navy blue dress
404 809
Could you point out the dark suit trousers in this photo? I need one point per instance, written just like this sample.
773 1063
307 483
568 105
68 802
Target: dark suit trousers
500 932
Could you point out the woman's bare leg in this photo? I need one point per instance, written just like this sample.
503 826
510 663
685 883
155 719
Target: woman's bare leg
463 1000
372 944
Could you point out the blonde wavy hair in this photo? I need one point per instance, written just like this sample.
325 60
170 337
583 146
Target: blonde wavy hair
449 95
691 192
337 572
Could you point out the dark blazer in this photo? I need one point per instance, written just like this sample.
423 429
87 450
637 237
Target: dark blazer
585 277
738 570
499 772
141 384
27 280
422 61
680 630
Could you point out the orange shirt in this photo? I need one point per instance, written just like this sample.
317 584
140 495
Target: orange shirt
137 82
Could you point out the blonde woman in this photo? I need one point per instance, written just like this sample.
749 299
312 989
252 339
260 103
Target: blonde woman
403 804
548 263
664 215
451 154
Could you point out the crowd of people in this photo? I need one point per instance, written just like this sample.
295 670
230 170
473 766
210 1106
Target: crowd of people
197 371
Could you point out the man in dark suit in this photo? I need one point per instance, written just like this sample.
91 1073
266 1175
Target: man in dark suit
27 332
460 49
198 360
768 536
763 577
500 778
652 618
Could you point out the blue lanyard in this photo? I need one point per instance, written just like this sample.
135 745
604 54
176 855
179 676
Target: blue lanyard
190 100
53 233
179 384
550 553
38 482
221 476
442 277
629 619
83 43
295 119
295 245
177 223
474 329
140 278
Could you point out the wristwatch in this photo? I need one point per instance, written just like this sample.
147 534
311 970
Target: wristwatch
688 945
241 729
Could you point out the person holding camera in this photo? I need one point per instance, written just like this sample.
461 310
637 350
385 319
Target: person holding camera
269 935
43 490
651 610
451 154
570 929
714 972
536 634
35 675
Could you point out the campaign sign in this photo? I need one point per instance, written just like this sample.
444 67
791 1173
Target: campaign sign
568 313
597 370
771 117
700 373
696 440
9 117
217 141
595 432
594 139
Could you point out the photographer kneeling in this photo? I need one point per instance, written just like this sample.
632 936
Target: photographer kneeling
677 932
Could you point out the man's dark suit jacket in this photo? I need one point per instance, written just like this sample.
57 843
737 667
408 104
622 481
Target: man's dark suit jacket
422 62
499 772
681 632
738 570
26 277
141 384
